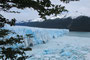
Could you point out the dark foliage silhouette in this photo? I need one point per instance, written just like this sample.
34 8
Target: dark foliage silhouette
43 7
7 50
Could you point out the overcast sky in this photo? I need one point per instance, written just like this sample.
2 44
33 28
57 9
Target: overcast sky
81 7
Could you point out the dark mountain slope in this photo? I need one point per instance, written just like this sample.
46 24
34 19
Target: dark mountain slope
55 23
81 23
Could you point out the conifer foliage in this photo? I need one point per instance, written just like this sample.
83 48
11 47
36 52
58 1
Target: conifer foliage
7 45
4 20
43 7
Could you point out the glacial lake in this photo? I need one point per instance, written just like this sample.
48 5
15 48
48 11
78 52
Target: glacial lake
79 34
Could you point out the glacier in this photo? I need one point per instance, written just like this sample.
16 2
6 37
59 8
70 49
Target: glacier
40 35
58 46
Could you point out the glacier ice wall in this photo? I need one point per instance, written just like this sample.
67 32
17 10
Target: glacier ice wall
40 34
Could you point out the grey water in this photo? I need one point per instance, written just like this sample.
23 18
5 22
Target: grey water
79 34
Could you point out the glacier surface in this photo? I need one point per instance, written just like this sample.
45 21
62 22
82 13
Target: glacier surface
58 45
40 35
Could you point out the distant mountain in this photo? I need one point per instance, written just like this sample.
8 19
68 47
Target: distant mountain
81 23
